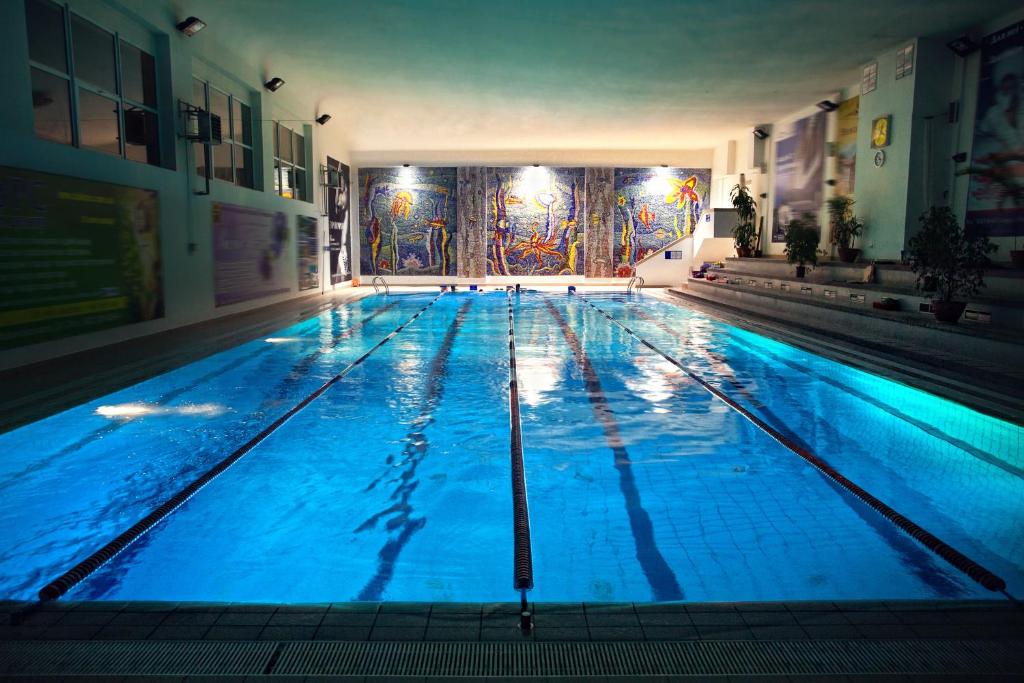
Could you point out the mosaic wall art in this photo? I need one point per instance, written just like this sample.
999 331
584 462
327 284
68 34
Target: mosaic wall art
600 228
472 232
535 221
654 207
407 219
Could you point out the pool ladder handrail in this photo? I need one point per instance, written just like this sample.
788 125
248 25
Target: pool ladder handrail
383 282
637 281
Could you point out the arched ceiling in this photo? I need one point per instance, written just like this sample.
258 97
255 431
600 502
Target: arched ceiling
565 74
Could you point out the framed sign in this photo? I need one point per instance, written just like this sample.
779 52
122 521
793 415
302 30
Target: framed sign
869 78
881 131
905 61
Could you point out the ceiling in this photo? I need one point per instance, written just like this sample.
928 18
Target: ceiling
565 74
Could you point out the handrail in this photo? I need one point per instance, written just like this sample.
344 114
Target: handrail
633 283
383 282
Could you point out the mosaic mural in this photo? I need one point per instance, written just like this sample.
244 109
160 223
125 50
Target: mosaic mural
600 229
535 221
407 221
472 233
654 207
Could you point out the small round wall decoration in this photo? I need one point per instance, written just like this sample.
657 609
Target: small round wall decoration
879 158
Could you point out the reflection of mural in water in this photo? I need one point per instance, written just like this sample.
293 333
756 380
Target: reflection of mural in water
407 218
535 221
654 207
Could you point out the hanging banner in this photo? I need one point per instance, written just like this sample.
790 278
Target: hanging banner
249 254
309 253
76 256
799 165
846 146
995 205
338 234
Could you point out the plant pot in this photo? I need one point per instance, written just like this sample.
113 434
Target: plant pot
801 271
743 252
848 254
1017 258
948 311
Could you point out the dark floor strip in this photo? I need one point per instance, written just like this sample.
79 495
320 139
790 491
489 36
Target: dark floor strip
965 564
59 586
416 449
661 577
523 554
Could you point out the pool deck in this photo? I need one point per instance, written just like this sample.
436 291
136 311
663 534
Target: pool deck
900 640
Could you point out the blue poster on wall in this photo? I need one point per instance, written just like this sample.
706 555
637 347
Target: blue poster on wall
995 205
799 166
407 217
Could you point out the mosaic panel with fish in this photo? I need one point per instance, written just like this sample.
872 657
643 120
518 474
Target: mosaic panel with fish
654 207
407 218
535 221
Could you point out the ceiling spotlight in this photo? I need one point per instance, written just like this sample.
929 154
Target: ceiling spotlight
273 84
191 26
827 105
536 165
664 165
760 133
323 118
962 45
405 165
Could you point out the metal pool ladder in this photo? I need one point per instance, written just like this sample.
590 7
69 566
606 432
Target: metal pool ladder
634 282
383 283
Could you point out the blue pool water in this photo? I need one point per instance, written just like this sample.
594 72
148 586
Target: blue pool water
395 483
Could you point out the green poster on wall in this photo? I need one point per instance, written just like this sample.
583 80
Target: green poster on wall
75 256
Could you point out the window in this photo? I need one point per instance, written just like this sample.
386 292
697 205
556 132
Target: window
108 102
289 163
232 159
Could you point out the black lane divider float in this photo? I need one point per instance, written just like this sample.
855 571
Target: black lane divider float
62 584
947 552
659 574
523 553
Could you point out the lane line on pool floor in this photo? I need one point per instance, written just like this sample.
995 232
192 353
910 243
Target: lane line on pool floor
522 549
947 552
659 574
59 586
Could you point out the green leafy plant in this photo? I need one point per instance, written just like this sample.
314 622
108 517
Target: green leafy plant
945 258
745 232
802 240
845 225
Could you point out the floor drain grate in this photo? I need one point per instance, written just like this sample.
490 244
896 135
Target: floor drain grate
636 659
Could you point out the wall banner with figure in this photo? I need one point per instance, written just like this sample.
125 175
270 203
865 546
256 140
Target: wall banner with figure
309 252
338 235
846 146
250 250
77 256
995 205
799 165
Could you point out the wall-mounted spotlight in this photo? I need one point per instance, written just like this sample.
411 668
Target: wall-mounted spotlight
191 26
962 45
760 133
536 165
960 157
323 118
827 105
274 84
831 182
405 165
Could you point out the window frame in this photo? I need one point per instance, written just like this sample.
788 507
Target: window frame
227 135
281 164
75 83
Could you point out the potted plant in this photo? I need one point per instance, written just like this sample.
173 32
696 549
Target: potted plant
745 232
948 261
802 243
845 227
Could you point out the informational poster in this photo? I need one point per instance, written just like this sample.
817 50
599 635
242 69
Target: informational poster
338 234
799 165
77 256
250 254
846 146
309 253
998 154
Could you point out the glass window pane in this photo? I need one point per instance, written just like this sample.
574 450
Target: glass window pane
97 122
299 150
284 143
222 162
46 43
94 54
199 149
138 75
51 106
287 182
243 166
300 184
242 122
219 106
199 93
277 133
277 177
141 136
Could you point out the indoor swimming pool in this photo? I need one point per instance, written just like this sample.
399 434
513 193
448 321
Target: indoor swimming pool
661 450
